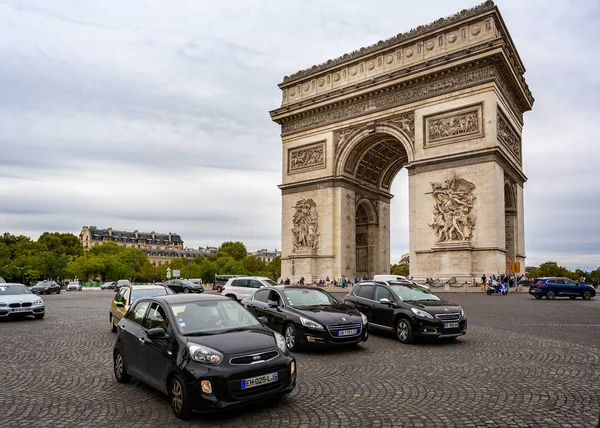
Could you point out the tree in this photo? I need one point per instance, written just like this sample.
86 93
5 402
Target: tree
237 250
400 269
549 269
274 268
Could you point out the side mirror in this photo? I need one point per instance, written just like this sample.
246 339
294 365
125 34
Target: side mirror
120 305
384 301
157 333
263 320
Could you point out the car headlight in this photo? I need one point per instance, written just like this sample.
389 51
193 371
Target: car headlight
3 304
364 317
462 313
37 302
422 314
205 355
311 324
280 342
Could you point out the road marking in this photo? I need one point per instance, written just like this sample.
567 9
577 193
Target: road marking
536 325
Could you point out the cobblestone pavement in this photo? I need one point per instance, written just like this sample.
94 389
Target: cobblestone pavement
523 363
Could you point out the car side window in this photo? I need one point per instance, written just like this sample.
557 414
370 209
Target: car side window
365 291
156 318
119 296
274 297
136 315
261 296
570 282
256 284
382 293
551 281
125 296
559 281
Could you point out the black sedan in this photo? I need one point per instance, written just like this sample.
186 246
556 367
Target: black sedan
307 315
207 353
408 310
46 287
184 286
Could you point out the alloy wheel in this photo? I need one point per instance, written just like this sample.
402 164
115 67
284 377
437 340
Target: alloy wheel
186 290
176 396
550 295
402 331
119 366
290 336
587 295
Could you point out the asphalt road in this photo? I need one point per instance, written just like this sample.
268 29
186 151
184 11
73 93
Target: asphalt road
524 363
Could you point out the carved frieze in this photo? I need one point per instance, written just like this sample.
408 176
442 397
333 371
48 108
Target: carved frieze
307 157
508 136
392 97
306 226
456 125
453 218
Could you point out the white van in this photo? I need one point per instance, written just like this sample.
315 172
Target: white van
387 278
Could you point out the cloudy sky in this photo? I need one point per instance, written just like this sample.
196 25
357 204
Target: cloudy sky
153 114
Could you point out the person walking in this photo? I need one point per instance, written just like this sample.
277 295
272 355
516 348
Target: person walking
483 282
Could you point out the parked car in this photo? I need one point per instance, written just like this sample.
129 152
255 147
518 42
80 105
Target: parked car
553 287
205 352
240 288
308 316
184 286
221 280
46 287
128 294
74 286
108 286
197 281
16 300
410 311
122 283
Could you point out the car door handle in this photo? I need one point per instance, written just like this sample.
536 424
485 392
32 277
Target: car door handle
141 339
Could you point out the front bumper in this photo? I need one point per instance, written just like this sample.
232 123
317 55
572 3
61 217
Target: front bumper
437 329
327 338
6 311
226 384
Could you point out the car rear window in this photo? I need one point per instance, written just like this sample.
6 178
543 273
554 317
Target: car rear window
138 294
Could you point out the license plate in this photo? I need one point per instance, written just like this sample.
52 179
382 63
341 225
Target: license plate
451 325
347 332
21 309
259 380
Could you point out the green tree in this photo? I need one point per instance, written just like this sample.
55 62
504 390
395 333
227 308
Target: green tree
550 269
237 250
400 269
274 268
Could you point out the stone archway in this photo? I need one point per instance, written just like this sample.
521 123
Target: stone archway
446 102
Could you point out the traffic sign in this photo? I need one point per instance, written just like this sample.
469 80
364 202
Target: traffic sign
176 273
168 273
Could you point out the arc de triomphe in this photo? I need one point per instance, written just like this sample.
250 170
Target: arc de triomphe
446 102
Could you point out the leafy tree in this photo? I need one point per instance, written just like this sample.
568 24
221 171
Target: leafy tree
400 269
274 268
237 250
549 269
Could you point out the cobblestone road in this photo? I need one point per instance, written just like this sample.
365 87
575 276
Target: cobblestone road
524 363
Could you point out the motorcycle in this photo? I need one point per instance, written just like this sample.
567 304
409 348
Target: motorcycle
496 287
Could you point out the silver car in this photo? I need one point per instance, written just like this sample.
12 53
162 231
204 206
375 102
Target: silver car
18 300
73 286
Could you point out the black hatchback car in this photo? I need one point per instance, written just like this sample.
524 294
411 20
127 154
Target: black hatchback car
46 287
207 353
408 310
308 315
184 286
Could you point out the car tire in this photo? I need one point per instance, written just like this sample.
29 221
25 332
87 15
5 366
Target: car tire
404 330
113 327
232 297
120 369
219 289
537 296
587 295
550 295
186 290
291 336
180 401
38 316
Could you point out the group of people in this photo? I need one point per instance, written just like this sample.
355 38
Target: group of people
327 282
494 280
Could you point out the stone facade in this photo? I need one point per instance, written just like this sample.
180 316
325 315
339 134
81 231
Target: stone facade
445 101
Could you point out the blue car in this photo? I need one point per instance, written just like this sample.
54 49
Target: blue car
555 287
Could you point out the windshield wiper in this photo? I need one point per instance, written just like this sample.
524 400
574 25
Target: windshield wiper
200 333
229 330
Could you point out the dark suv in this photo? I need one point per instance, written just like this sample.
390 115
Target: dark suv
554 287
408 310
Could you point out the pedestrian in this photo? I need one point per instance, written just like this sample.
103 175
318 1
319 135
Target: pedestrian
483 282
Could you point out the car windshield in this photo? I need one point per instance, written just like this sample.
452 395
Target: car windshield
413 293
42 284
212 317
8 290
308 297
187 282
138 294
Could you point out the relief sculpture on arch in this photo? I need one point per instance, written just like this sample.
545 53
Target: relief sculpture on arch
453 218
306 227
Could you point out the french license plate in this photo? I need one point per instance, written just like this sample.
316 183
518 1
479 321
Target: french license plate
259 380
451 325
347 332
20 309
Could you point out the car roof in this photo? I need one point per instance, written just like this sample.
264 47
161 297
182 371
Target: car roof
145 287
184 298
251 277
8 284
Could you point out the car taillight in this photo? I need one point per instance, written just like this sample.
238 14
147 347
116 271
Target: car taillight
222 288
540 285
